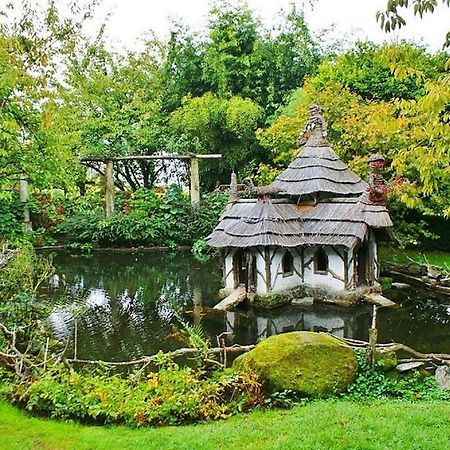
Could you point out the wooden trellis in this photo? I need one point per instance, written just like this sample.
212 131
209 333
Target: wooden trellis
109 174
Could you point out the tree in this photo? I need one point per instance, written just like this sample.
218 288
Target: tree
390 18
32 48
212 124
241 58
182 67
233 32
112 108
414 138
367 70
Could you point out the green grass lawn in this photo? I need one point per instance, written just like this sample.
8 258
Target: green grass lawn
324 425
402 256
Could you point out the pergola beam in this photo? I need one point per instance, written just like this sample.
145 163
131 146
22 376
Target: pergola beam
109 174
140 157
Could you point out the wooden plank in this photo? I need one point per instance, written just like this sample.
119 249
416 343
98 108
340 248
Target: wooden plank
236 297
379 300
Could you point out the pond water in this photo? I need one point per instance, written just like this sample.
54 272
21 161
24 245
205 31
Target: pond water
125 305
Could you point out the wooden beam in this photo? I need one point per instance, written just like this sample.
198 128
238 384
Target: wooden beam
345 269
109 189
144 157
267 261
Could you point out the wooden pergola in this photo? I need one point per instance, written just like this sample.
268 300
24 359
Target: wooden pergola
109 174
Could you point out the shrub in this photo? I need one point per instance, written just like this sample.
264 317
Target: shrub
10 221
146 219
20 307
170 396
371 384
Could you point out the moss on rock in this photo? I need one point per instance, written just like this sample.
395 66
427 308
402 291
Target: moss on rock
270 301
386 361
311 364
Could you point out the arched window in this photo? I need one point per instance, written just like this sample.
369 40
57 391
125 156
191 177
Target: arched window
320 261
287 263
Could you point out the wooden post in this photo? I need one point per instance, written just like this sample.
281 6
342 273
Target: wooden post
268 270
198 306
23 196
195 183
109 188
373 336
233 188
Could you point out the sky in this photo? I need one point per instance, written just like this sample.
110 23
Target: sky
353 19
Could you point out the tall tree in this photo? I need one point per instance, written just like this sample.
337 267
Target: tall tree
212 124
414 137
33 45
390 18
112 108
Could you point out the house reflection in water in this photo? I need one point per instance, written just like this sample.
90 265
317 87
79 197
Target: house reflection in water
250 326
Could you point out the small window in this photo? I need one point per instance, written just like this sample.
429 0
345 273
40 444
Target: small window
320 261
287 264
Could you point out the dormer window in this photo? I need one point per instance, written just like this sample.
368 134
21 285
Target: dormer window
287 264
321 262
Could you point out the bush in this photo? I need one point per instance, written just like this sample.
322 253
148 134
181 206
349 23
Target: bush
372 384
170 396
146 219
20 306
10 220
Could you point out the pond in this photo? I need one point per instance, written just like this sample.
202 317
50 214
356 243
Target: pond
126 305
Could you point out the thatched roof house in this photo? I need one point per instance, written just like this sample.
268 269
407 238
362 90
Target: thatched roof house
320 228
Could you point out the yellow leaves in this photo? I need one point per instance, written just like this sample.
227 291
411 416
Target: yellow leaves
47 120
402 73
413 135
266 174
437 97
359 165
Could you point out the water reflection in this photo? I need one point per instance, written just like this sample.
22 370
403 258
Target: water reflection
125 306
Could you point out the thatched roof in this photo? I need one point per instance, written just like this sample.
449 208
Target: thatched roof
340 221
318 170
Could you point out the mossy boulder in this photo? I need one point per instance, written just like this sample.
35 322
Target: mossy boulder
311 364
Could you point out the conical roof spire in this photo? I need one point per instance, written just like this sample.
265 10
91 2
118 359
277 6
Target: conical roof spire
317 170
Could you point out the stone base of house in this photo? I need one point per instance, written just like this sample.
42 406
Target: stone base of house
307 295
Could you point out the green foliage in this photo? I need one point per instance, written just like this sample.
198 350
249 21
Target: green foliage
241 58
366 71
148 218
170 396
209 123
10 224
33 44
390 18
371 384
200 250
20 305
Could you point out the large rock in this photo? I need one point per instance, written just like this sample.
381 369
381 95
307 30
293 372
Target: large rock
311 364
443 377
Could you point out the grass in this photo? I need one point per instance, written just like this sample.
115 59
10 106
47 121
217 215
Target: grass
320 425
405 256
